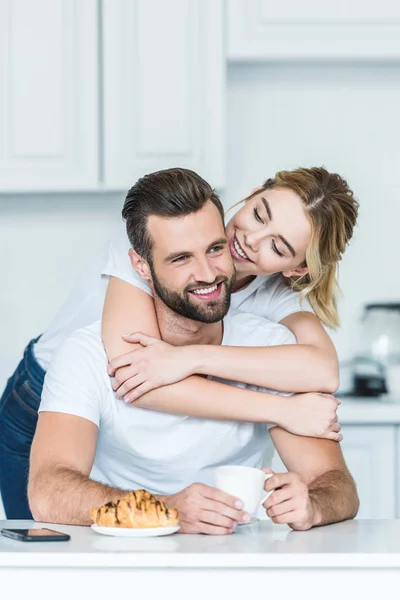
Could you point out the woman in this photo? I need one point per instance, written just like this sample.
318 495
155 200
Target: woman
285 242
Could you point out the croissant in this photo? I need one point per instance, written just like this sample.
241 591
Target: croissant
138 509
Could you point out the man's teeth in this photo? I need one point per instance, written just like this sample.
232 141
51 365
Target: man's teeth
205 290
239 250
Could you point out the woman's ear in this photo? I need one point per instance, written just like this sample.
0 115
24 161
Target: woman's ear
298 272
140 265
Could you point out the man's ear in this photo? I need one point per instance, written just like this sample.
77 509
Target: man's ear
298 272
140 265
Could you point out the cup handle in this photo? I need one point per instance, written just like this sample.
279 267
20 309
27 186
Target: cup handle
267 476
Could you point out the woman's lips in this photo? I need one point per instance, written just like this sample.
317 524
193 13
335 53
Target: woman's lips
235 253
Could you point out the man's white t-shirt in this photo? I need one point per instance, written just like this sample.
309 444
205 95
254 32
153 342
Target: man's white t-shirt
140 448
268 297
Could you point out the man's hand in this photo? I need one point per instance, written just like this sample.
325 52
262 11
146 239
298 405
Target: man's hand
290 502
205 509
311 414
152 364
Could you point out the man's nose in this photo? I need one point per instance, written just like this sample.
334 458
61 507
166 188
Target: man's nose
205 271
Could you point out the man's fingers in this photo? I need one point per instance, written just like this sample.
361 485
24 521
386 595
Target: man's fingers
213 529
223 509
215 518
280 495
288 517
277 481
219 496
280 509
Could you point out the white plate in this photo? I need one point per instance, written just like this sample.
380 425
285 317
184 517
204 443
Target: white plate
254 520
131 532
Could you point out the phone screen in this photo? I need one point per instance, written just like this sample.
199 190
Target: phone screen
37 532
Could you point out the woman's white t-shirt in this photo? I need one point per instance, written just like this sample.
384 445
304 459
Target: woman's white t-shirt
267 297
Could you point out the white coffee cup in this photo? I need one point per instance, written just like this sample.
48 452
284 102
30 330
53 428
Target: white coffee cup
245 483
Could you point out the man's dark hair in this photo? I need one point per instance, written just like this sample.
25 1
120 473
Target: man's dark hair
168 193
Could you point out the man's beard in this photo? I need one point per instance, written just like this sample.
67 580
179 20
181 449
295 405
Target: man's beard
202 311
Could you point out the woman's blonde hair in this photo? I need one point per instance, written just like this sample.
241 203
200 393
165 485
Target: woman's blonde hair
332 210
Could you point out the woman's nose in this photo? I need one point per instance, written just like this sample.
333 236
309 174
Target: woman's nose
252 239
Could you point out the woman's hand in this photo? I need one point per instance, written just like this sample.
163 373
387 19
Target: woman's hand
311 414
152 364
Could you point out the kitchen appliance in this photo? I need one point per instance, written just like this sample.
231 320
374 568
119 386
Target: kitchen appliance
378 347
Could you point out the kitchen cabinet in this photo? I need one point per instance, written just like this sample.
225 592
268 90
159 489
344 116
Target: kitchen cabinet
370 452
292 30
163 88
100 92
49 102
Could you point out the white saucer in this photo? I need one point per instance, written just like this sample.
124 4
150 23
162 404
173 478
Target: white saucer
131 532
254 520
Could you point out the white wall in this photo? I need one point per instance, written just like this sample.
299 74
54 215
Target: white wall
45 243
345 117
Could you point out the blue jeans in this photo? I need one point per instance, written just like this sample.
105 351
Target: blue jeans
18 418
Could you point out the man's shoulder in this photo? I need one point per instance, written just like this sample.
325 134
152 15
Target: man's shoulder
247 329
81 345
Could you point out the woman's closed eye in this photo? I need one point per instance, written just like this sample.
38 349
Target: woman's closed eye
257 216
275 249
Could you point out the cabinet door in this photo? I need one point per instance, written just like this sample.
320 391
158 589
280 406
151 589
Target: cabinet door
164 82
49 97
289 29
369 452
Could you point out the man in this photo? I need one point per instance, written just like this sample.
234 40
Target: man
90 448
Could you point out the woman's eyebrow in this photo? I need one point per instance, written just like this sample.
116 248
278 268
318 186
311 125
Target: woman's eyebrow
267 207
269 213
288 246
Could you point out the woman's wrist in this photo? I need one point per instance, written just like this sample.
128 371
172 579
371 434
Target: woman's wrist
198 359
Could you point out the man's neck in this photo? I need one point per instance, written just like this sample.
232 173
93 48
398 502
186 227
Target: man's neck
180 331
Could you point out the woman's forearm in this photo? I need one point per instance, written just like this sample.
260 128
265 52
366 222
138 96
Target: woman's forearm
289 368
200 397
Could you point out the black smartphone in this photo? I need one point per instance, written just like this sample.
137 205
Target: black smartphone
35 535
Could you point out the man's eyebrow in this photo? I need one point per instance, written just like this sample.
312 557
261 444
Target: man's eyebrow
289 246
267 207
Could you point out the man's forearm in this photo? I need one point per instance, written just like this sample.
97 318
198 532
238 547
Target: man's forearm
334 497
61 495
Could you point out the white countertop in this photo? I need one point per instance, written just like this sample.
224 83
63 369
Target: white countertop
369 411
352 544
